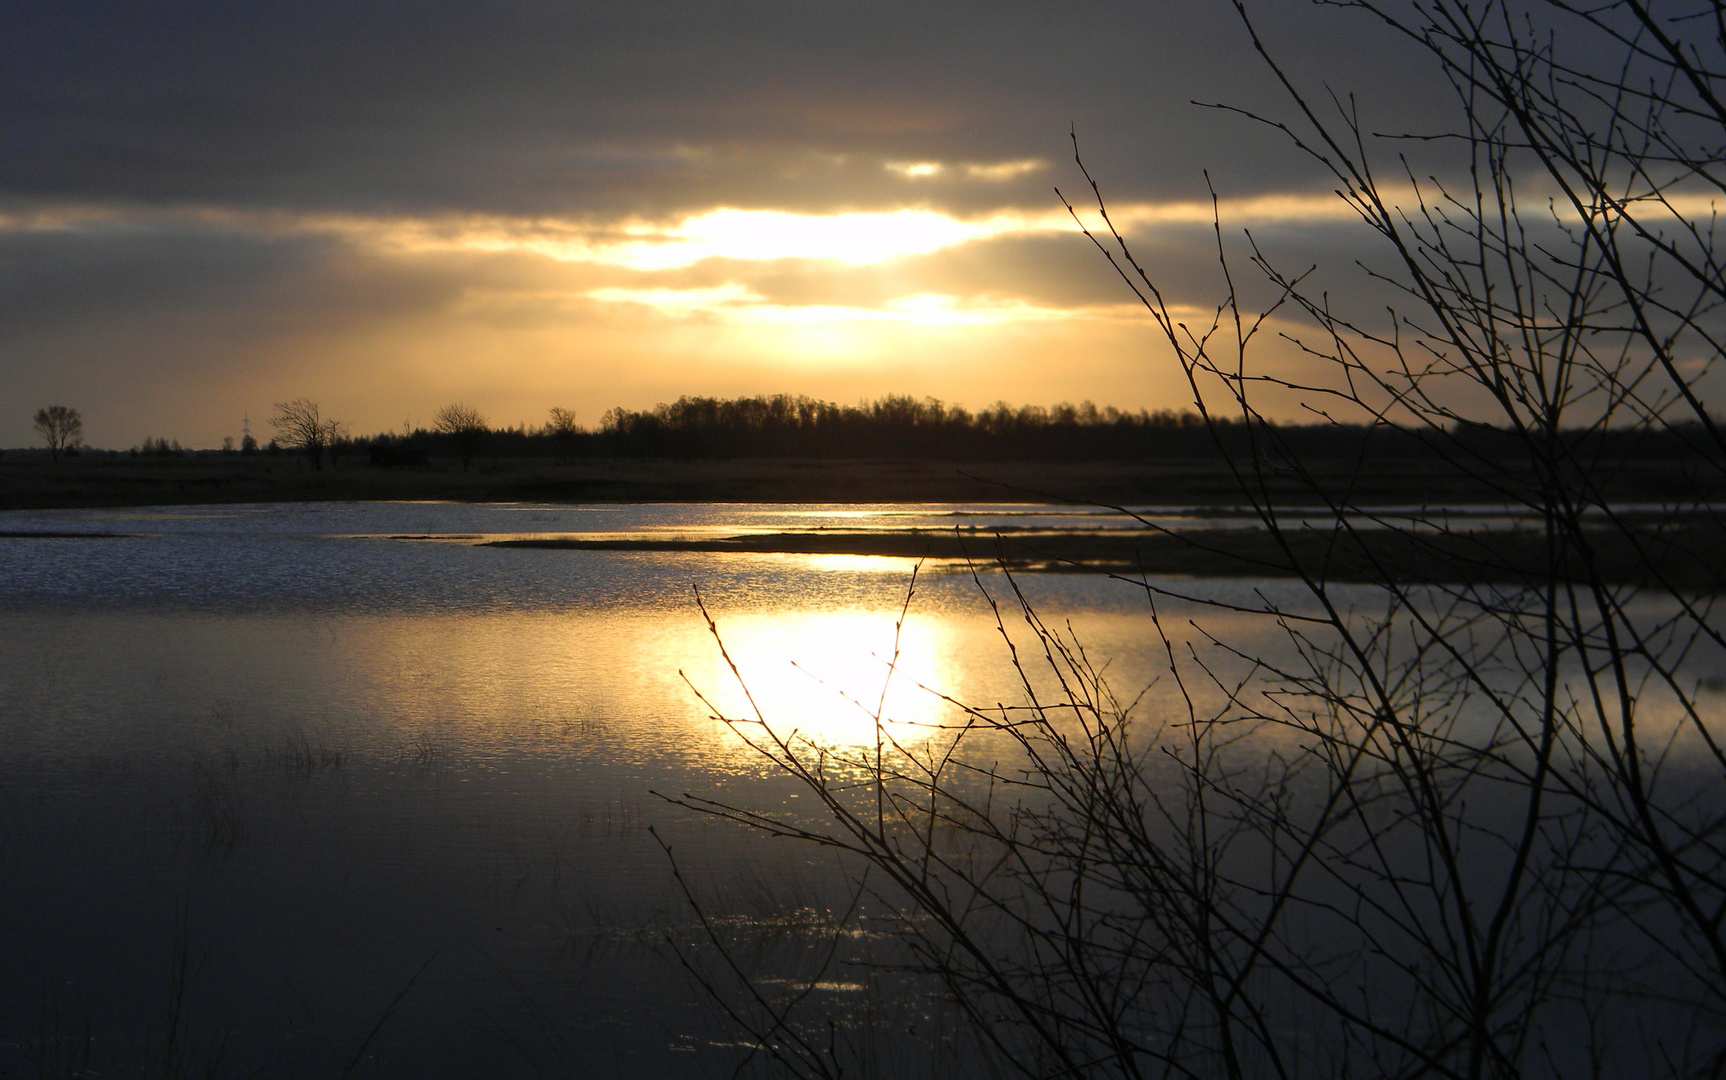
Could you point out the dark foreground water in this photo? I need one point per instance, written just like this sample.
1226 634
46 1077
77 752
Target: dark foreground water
283 796
330 790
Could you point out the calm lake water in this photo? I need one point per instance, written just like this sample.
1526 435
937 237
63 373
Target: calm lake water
371 805
270 762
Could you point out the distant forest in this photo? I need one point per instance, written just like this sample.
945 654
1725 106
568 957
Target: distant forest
905 428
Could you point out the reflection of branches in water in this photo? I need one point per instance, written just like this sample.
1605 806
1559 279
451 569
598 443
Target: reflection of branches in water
805 987
212 814
68 1043
1471 828
764 1019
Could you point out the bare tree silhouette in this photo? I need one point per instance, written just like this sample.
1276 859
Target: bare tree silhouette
1469 825
464 425
61 427
300 426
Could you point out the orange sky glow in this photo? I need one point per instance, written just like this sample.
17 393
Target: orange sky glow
538 207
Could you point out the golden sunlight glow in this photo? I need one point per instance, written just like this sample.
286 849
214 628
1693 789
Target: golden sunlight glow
682 302
568 680
989 172
733 302
915 170
497 682
822 673
856 239
859 564
999 171
852 238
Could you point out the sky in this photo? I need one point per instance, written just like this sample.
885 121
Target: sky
386 207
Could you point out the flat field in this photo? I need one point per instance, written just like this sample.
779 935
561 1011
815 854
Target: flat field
32 481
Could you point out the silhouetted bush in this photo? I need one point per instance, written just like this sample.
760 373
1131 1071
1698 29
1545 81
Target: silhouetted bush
158 447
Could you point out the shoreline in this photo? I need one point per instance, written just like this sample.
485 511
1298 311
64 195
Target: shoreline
1682 557
112 481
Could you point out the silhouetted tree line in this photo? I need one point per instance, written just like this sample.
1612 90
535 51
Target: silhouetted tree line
894 427
906 428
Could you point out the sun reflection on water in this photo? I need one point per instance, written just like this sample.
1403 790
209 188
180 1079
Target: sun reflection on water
617 685
827 674
867 564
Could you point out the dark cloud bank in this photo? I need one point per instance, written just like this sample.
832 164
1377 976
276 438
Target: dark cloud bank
546 107
591 112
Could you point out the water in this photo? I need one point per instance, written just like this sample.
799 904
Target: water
368 805
298 761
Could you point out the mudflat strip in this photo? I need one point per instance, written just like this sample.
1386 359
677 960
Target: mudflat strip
1661 554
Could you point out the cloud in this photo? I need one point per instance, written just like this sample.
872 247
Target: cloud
174 321
998 172
737 303
915 170
520 107
862 237
204 207
995 172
